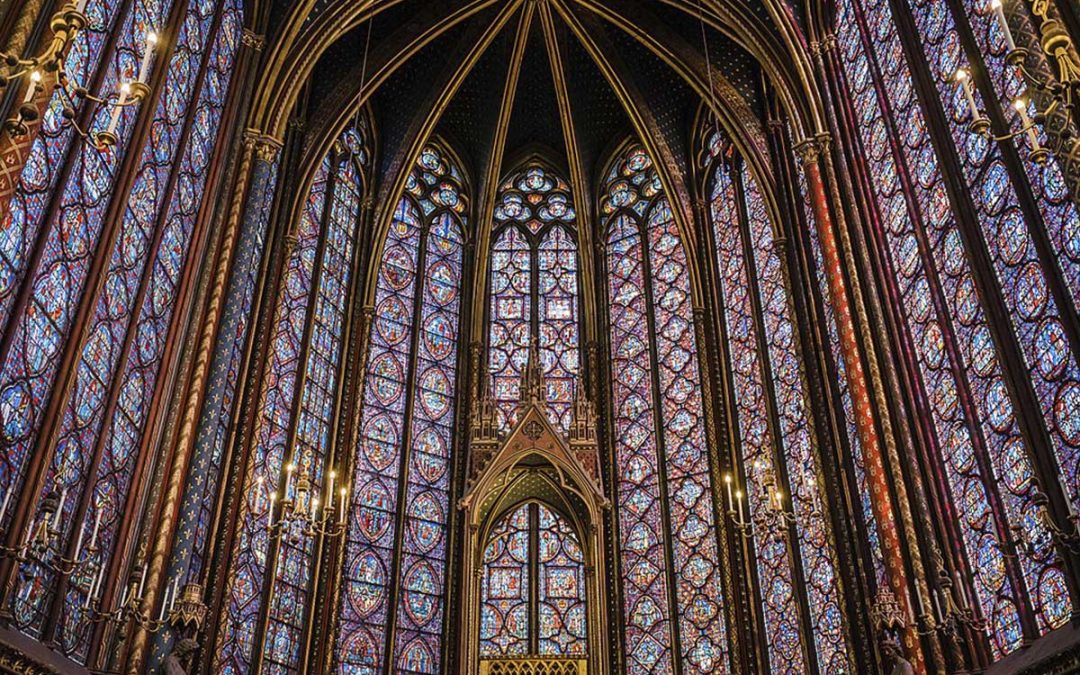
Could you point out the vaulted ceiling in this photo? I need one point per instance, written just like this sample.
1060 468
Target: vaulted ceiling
563 79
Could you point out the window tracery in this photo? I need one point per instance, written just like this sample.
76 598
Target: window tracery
534 291
406 432
670 560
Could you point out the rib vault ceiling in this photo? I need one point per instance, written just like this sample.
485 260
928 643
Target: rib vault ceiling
501 80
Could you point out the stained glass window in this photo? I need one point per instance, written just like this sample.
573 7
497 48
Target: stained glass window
296 419
980 446
664 494
534 291
533 546
103 402
406 434
505 616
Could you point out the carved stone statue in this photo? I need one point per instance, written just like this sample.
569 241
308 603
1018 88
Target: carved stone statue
176 663
893 652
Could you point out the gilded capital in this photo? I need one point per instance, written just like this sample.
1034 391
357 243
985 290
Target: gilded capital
252 40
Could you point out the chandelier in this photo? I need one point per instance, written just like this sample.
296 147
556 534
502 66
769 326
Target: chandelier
65 25
1063 94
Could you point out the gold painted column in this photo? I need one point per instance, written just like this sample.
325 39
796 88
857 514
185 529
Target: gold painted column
810 152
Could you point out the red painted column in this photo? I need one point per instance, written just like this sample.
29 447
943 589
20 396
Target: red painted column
864 418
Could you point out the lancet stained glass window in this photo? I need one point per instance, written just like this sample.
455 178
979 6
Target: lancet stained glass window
663 489
980 443
532 587
103 401
534 291
406 434
296 419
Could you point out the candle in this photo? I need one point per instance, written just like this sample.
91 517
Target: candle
727 484
31 88
289 471
738 498
97 526
92 591
258 493
164 605
330 489
142 581
3 508
1025 123
999 11
78 543
964 81
151 40
314 508
937 605
59 509
125 88
341 506
176 592
81 7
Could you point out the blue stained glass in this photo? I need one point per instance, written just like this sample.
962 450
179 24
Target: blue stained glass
649 295
774 564
104 351
534 233
415 324
933 244
804 491
249 566
73 229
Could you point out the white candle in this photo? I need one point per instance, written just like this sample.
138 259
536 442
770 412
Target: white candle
164 605
3 508
314 508
151 40
330 489
289 471
738 498
965 84
31 88
142 581
341 506
258 493
81 7
176 591
999 11
78 543
727 485
1025 123
125 88
59 509
97 526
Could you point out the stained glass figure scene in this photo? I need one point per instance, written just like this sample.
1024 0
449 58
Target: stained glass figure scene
534 291
533 587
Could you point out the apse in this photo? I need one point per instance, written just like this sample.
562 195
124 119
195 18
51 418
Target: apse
539 337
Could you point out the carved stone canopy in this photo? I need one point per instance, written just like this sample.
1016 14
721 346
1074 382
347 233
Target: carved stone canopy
533 442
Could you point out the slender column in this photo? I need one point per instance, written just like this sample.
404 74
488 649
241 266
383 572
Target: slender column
211 380
810 152
257 167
